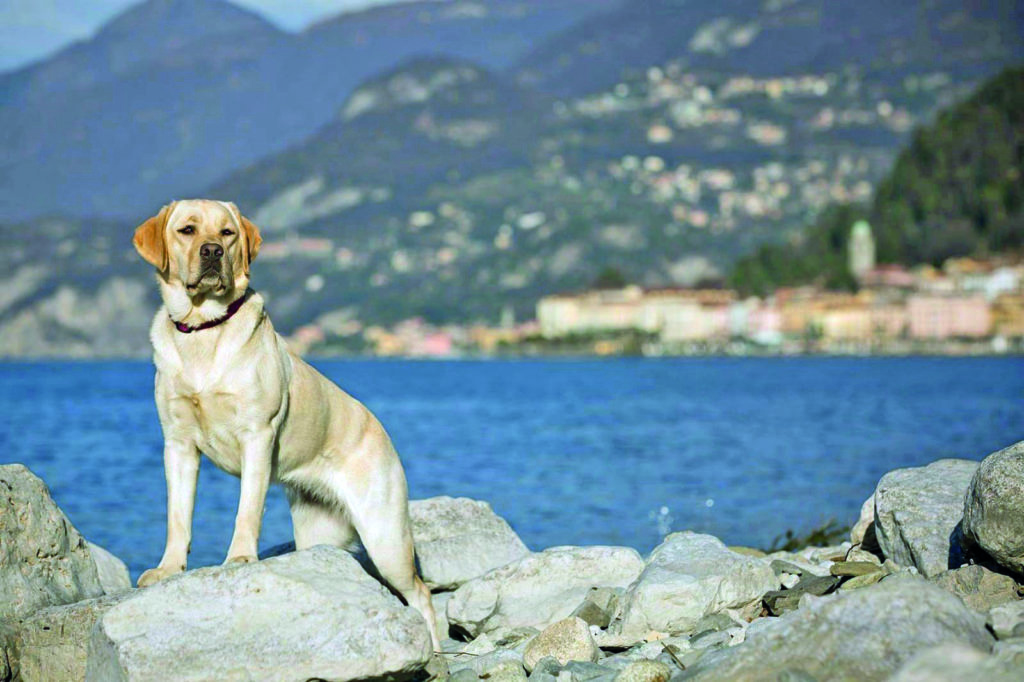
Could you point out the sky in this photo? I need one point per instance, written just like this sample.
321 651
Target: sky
32 29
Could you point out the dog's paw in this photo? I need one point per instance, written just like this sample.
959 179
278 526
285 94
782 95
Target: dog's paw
155 575
241 559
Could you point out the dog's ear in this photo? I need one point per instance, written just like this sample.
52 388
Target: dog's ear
150 239
250 234
252 240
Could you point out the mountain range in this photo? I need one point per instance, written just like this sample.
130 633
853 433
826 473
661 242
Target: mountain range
172 94
453 159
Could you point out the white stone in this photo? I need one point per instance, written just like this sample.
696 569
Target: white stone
541 588
458 539
690 576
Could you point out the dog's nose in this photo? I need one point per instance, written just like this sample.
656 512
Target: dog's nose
211 251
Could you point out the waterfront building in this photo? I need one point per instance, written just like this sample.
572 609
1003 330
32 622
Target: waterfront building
948 317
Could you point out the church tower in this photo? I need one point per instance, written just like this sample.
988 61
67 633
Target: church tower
861 249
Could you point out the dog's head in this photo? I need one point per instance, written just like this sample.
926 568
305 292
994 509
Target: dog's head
202 245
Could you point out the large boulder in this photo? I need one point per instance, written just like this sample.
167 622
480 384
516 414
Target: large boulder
860 635
540 588
458 539
53 643
113 572
688 577
44 561
314 614
994 508
917 514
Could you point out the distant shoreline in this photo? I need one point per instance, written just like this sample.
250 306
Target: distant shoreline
568 357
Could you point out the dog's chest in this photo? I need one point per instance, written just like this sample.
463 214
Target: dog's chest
213 420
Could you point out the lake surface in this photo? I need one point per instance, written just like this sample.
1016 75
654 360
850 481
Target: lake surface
570 452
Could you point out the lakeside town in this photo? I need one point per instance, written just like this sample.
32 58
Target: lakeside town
966 306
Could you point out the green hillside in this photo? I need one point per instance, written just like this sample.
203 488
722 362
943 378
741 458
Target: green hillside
956 190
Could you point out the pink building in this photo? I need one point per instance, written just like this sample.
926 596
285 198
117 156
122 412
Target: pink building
434 344
944 317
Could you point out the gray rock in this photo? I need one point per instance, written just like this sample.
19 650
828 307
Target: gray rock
796 564
1007 620
567 640
861 636
863 580
645 671
44 561
690 576
484 664
584 671
599 606
711 639
955 663
917 513
541 588
505 671
464 675
994 508
52 643
546 670
978 587
1010 650
310 614
458 539
113 572
781 601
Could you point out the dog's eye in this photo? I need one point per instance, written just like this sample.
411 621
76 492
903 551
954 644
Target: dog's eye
226 232
188 229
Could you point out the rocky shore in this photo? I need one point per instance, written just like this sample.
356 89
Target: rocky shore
928 587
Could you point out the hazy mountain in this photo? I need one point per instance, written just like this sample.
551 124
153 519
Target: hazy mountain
172 94
776 37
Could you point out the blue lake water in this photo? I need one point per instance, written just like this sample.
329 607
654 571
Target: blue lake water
570 452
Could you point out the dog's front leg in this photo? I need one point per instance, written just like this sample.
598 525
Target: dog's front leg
257 453
181 468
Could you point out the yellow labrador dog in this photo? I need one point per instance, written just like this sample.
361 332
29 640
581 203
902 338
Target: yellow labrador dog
227 386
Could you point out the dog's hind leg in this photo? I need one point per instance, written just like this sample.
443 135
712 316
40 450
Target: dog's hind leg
379 510
316 522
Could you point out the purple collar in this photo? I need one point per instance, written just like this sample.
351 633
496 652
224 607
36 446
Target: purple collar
232 309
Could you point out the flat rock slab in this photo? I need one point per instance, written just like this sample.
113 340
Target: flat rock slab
859 636
994 508
314 614
918 511
458 539
690 576
541 588
781 601
44 561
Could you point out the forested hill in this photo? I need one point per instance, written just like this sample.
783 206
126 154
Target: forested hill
956 190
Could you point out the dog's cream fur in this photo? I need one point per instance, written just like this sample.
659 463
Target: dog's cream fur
237 394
